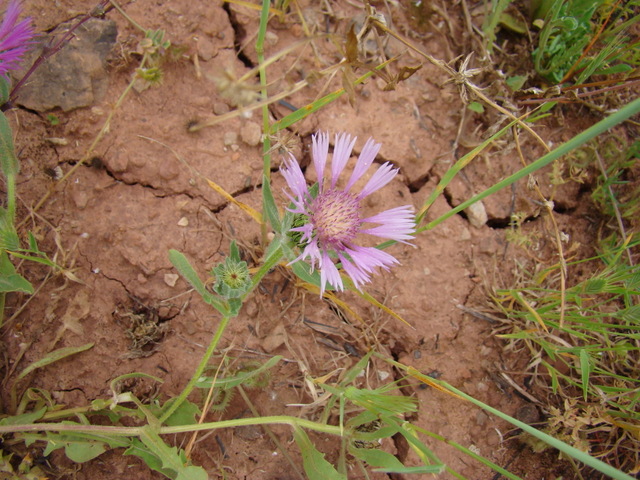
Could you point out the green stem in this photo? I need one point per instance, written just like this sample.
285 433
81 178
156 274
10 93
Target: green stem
124 14
11 198
137 431
270 262
199 371
266 143
266 146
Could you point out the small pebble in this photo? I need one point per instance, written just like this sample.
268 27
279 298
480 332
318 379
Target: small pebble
171 279
465 235
183 222
251 134
477 214
170 171
118 162
220 108
528 413
271 38
138 160
230 138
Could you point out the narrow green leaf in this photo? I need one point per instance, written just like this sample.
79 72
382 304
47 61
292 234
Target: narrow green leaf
33 243
315 465
5 88
585 370
15 283
547 106
53 357
240 378
8 161
24 418
186 270
270 208
378 458
303 112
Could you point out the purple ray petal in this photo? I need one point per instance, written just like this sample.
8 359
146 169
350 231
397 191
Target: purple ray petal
341 154
320 152
366 158
383 175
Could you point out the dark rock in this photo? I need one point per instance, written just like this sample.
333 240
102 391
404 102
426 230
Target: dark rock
75 76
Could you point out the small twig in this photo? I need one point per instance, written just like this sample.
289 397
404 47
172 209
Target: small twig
205 408
548 204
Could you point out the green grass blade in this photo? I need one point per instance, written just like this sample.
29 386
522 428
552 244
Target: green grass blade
455 169
548 439
602 126
585 370
321 102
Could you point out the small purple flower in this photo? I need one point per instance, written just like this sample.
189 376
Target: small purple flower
14 38
333 219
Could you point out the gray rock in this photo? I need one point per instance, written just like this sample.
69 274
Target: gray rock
75 76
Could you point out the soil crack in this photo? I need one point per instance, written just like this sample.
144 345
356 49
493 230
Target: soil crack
240 34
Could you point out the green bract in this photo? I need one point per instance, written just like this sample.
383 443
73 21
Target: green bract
232 276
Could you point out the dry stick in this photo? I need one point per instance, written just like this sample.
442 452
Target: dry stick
101 134
205 408
549 206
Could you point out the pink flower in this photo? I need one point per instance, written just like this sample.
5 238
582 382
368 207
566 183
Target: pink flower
14 38
333 219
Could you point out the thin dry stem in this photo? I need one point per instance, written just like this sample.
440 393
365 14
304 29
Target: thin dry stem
549 206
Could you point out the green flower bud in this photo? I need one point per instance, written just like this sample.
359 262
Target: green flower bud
232 276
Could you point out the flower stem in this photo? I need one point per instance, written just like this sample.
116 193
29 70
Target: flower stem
199 371
117 431
266 143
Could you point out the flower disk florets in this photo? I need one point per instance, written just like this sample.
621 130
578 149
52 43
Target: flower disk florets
329 220
336 216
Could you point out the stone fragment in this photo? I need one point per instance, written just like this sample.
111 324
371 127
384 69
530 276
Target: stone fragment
220 108
230 138
251 134
476 214
75 76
